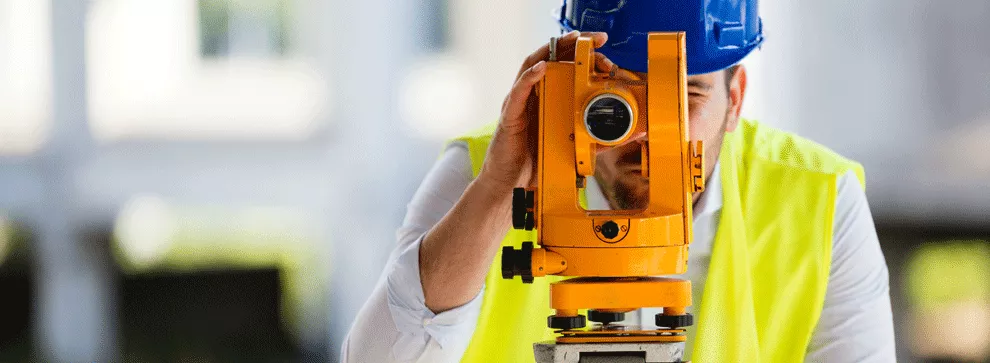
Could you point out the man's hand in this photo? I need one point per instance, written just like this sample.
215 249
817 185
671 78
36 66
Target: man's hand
456 253
510 161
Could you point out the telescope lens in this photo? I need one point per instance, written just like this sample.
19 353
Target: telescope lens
608 118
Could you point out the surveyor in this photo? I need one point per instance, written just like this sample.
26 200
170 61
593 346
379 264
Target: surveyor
785 264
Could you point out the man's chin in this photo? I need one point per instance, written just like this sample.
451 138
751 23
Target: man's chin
629 198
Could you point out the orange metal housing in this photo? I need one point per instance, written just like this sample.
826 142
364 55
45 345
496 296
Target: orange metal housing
653 240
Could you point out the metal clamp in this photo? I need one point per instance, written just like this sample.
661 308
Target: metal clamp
553 49
697 159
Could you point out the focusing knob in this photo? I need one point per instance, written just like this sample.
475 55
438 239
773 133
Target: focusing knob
565 322
523 202
605 318
518 208
530 221
518 262
674 321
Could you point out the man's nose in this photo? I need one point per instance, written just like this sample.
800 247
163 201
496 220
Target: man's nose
637 136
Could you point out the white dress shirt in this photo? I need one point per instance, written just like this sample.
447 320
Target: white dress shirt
396 326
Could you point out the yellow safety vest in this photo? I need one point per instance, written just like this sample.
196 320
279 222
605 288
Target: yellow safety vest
769 264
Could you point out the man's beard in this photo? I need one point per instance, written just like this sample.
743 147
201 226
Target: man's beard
631 192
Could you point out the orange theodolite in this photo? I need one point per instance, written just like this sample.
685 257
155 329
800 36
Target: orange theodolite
613 255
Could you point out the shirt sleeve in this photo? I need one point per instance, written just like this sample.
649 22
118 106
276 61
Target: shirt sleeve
395 325
856 324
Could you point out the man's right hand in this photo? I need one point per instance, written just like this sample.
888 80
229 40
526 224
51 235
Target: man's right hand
455 255
510 161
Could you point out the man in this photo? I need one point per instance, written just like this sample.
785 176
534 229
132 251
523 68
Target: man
794 272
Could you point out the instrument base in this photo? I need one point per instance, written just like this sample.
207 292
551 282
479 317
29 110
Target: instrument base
643 352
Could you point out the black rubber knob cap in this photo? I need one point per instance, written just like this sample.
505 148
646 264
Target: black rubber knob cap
518 262
610 229
605 317
674 321
524 264
566 322
508 255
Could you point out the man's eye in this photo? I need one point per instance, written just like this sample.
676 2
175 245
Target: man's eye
695 94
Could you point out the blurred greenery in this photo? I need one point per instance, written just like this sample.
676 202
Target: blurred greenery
16 282
948 272
14 242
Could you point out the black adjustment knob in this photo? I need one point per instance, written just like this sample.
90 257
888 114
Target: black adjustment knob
565 322
508 256
605 318
518 262
610 229
674 321
530 221
519 208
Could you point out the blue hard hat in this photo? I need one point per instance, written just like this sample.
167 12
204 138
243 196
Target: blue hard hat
719 33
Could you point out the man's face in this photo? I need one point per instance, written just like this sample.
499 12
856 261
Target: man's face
713 110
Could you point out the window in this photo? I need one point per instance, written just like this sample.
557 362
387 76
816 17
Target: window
208 70
25 75
243 28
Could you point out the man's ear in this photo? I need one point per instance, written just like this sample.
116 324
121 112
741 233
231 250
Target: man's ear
737 92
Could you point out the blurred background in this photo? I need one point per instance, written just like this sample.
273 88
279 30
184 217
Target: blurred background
220 180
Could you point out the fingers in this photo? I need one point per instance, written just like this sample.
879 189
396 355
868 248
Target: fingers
603 64
515 103
569 39
543 53
599 37
565 48
567 43
627 75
